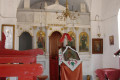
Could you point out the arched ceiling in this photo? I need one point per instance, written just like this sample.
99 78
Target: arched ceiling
36 4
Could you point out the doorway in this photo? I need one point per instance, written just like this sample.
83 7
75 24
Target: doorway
25 41
54 45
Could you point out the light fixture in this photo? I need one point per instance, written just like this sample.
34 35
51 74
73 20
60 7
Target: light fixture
67 14
98 25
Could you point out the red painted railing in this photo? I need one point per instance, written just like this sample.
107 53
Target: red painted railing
27 70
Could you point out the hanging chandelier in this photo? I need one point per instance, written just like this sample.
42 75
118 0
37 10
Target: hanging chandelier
67 14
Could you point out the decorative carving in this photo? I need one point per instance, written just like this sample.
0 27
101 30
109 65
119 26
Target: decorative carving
76 28
20 28
34 27
47 27
30 28
62 29
56 24
71 28
50 28
65 27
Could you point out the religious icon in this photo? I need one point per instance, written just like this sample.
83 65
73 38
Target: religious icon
9 31
72 43
41 40
83 42
111 40
97 46
70 55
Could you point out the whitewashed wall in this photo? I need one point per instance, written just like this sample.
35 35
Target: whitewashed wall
96 59
107 11
8 10
110 24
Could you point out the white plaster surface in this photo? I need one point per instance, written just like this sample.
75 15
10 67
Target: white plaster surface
107 11
110 24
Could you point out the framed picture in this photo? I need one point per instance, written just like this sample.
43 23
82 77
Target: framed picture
97 46
111 40
9 31
83 42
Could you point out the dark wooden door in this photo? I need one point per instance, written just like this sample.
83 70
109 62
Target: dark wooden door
54 47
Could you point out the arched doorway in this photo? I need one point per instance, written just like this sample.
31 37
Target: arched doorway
54 45
25 41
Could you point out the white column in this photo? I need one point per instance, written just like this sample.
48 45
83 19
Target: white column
0 29
77 40
27 4
0 7
0 20
47 43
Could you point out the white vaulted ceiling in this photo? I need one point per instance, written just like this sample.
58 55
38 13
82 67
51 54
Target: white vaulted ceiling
37 4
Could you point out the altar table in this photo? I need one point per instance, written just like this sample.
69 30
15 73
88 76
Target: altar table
108 73
67 74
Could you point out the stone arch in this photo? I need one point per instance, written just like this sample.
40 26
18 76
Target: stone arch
55 31
25 31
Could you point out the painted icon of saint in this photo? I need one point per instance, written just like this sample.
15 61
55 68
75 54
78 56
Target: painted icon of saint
84 42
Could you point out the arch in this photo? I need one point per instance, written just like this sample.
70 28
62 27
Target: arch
55 31
25 41
54 45
26 31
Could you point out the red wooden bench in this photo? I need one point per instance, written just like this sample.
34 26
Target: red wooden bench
28 70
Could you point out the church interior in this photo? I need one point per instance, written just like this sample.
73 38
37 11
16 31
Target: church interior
87 29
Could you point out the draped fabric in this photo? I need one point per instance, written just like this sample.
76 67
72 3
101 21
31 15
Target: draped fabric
110 73
68 37
67 74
